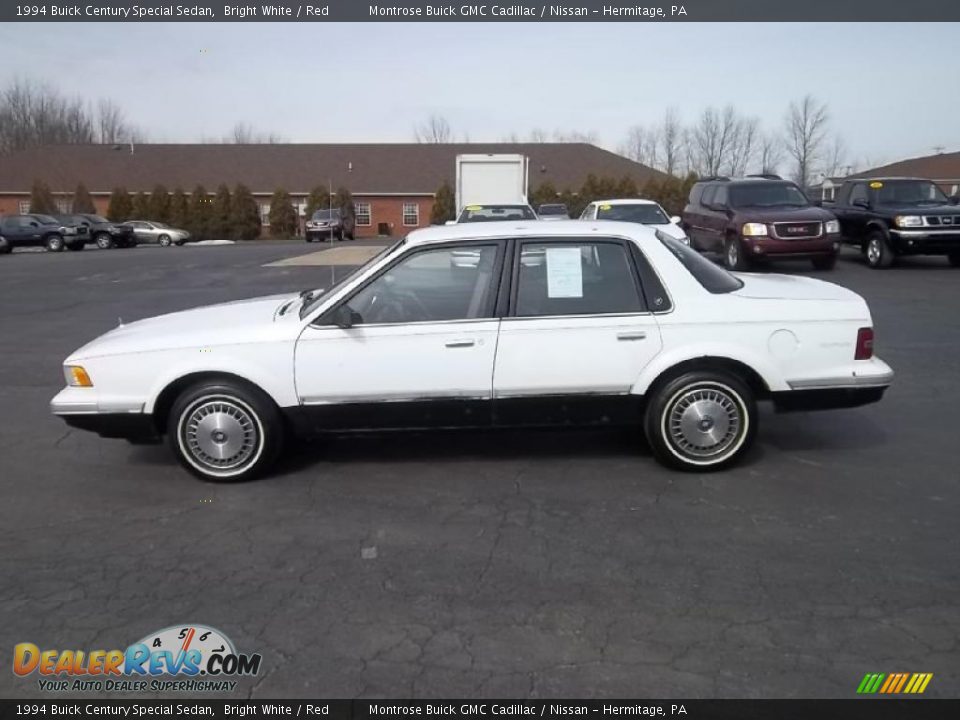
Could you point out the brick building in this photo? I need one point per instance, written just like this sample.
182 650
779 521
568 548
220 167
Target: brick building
393 185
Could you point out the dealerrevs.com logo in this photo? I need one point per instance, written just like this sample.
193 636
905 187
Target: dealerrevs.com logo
188 658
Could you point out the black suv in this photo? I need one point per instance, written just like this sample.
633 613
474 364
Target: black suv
101 231
890 217
325 224
759 217
39 230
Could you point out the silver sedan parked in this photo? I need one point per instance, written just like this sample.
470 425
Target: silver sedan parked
146 231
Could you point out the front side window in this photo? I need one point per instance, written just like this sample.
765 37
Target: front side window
411 214
361 214
712 277
587 278
858 193
431 286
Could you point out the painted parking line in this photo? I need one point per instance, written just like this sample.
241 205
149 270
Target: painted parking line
332 256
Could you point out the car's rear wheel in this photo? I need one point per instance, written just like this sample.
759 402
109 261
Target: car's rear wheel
104 241
954 259
827 262
54 243
223 431
164 240
733 256
701 420
878 252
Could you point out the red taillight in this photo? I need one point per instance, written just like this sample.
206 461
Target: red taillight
864 344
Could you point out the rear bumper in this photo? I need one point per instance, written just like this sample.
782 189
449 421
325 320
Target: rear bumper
865 384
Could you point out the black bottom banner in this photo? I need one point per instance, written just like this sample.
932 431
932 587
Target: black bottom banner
865 709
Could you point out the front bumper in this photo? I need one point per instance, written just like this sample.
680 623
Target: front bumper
81 409
925 242
767 246
866 383
323 233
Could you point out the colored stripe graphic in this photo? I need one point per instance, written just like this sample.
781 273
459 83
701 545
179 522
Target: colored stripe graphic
894 683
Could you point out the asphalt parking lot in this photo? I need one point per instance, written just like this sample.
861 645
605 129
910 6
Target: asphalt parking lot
526 564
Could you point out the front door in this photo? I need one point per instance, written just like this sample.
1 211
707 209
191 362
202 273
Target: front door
419 351
577 337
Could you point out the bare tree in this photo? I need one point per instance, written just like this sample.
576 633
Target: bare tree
806 128
671 141
538 135
642 145
245 134
435 129
32 114
743 146
575 136
771 153
835 161
112 127
712 139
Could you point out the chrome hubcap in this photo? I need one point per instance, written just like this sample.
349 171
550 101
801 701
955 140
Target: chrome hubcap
103 242
732 254
220 434
704 422
873 251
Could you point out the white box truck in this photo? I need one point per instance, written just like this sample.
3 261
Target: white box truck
493 179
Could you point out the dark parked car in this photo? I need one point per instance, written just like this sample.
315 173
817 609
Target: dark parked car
890 217
759 218
39 230
324 224
101 231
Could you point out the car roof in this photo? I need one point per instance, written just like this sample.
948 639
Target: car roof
626 201
886 178
529 229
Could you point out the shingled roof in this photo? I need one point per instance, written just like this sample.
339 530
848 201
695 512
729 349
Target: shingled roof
945 166
375 169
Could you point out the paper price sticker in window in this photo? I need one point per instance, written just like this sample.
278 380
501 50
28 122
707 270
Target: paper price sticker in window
564 273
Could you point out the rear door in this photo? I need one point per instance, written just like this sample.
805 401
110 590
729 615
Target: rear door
576 337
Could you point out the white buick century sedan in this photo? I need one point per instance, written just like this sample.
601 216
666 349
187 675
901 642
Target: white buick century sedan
555 324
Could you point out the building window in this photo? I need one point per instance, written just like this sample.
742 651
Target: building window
24 207
361 212
264 213
63 205
411 214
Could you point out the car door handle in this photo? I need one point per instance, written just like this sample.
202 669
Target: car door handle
635 335
460 343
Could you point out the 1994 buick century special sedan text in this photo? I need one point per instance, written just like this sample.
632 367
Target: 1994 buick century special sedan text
499 324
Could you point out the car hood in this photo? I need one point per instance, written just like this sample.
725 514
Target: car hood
811 213
791 287
232 323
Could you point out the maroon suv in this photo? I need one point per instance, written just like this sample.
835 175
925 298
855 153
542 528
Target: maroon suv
759 218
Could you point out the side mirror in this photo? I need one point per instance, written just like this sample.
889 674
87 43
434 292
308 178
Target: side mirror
861 202
954 199
675 219
345 317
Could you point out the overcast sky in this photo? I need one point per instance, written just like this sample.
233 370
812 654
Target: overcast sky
891 88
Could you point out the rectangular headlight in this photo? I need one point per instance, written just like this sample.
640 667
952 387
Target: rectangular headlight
832 227
908 220
754 230
76 376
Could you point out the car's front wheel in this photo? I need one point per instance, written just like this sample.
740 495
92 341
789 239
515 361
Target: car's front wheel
701 420
223 431
54 243
104 241
878 251
733 255
164 240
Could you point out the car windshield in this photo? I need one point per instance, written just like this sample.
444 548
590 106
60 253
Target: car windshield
714 278
553 210
767 194
46 219
909 192
326 215
648 214
160 225
96 218
315 297
490 213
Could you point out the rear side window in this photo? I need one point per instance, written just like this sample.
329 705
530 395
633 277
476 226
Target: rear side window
707 199
695 193
573 278
712 277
